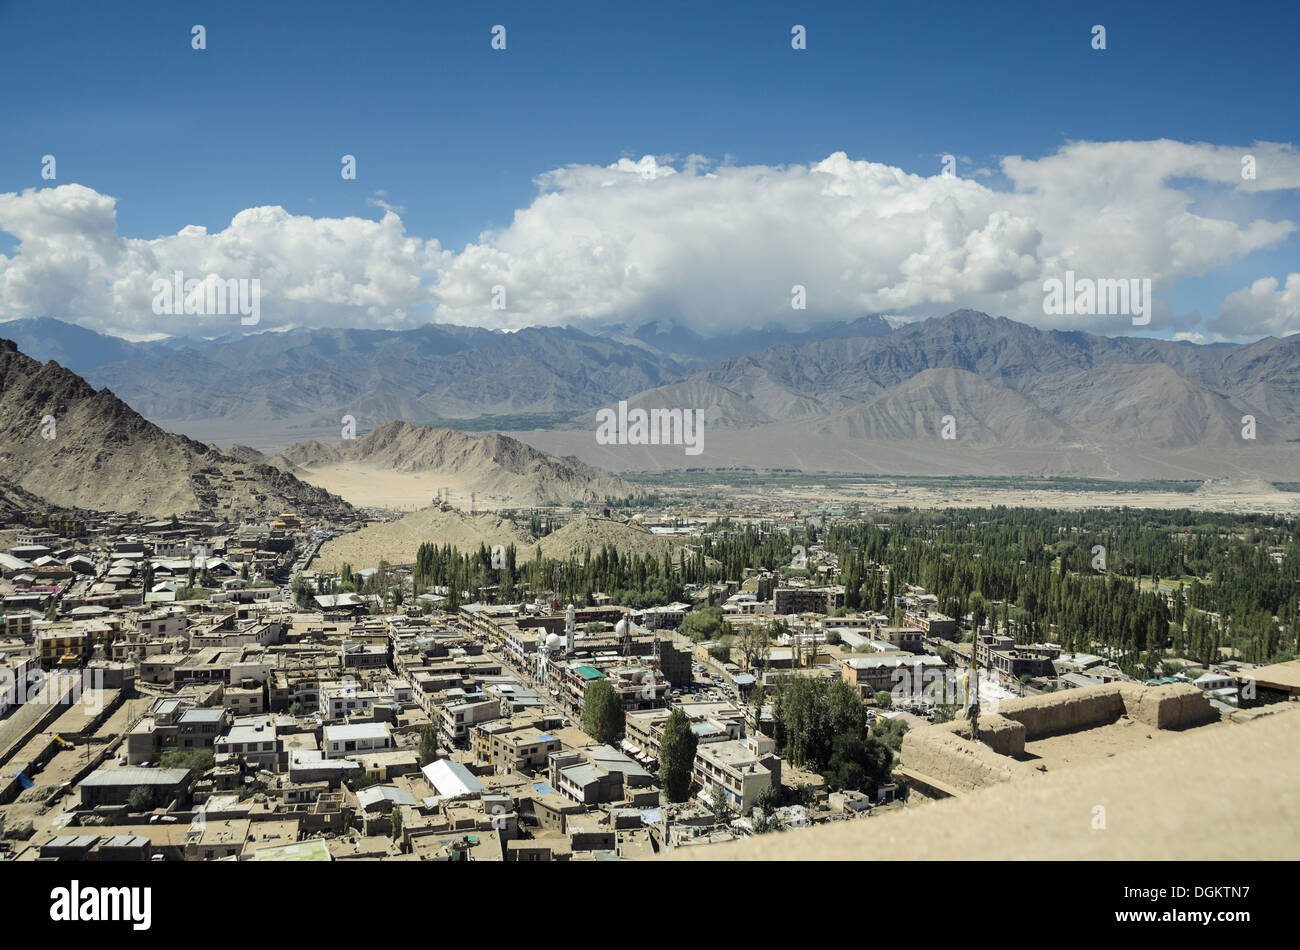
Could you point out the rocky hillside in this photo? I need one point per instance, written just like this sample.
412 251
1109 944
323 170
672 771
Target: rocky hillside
20 507
75 447
494 465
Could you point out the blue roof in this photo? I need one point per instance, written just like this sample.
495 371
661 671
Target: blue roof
543 788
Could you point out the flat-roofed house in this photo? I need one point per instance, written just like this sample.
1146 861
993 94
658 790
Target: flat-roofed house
347 740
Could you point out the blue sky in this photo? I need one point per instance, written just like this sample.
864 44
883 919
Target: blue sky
454 133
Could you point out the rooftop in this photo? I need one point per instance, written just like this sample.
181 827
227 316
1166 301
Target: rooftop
134 775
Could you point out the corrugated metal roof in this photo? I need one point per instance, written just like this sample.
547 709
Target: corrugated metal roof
134 775
378 793
451 779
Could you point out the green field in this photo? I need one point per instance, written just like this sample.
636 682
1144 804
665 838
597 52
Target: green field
787 478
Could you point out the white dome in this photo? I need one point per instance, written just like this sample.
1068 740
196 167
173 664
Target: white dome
621 628
554 641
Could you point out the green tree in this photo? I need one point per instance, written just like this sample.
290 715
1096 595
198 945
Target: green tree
705 623
810 713
764 821
765 800
755 644
859 763
677 756
602 712
199 760
719 804
140 799
302 591
360 779
884 699
979 612
757 697
890 732
427 748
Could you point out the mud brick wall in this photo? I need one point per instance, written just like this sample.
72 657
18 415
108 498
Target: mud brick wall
955 761
1004 736
1065 711
946 752
1172 706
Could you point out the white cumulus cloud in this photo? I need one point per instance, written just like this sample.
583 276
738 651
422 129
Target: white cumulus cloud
714 245
72 264
1263 308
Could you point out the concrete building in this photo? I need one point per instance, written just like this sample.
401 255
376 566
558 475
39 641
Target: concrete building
903 638
255 740
455 719
808 600
931 623
507 748
344 741
599 774
910 674
337 700
113 786
998 652
174 725
742 768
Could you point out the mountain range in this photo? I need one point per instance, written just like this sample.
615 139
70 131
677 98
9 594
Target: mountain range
1008 382
853 396
70 446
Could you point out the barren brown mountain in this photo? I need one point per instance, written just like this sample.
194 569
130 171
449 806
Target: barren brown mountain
75 447
501 471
